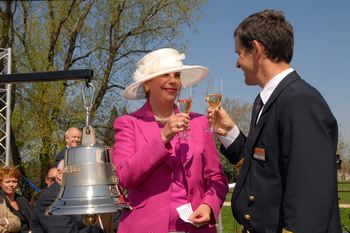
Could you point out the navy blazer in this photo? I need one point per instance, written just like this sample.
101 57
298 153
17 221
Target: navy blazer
288 179
59 156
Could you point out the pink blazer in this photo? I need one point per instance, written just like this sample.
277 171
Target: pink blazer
143 166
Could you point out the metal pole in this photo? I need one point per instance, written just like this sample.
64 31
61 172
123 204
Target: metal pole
8 109
220 223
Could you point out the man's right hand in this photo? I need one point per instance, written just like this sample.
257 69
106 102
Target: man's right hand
222 123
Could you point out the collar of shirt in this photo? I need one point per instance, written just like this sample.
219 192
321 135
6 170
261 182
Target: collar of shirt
272 84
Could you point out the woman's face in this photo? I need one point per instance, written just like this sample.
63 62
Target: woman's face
9 184
165 87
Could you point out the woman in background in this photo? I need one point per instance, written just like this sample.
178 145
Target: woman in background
8 221
160 170
18 205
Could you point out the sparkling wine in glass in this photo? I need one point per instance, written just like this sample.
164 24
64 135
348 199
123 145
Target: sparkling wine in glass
213 98
184 102
185 105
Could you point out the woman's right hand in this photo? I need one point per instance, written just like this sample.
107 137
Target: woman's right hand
176 123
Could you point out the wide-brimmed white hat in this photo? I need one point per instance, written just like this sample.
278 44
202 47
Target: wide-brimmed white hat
162 61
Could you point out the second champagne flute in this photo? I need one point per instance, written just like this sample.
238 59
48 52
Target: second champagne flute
184 102
213 98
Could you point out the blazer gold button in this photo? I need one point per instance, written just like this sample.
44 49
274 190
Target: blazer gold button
251 198
247 217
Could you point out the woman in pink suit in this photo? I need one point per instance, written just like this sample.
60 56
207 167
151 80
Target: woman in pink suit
160 170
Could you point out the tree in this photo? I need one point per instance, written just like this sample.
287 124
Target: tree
107 36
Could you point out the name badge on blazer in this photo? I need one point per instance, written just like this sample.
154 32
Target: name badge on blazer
259 154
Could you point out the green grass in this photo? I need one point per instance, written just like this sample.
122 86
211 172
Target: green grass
344 198
229 225
344 216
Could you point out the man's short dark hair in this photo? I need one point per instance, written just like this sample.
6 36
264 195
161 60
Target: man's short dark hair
272 30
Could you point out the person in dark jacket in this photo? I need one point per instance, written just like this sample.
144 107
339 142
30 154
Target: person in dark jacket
19 205
288 181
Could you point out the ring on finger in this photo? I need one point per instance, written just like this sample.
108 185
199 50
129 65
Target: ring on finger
178 125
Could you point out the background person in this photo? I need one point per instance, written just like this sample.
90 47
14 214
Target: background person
35 197
49 180
8 221
160 170
288 181
18 205
72 138
51 176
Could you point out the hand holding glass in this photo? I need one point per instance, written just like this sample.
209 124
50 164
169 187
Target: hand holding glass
213 98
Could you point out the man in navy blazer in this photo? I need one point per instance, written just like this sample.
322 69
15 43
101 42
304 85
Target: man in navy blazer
287 181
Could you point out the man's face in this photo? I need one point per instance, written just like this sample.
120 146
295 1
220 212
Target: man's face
51 176
247 62
73 137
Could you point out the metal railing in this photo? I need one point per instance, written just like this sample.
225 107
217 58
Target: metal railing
219 224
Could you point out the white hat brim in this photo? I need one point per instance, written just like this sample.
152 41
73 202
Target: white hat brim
189 75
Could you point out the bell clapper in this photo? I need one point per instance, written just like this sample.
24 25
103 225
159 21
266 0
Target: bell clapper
90 219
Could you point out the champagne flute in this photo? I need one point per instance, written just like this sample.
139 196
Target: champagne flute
184 102
213 98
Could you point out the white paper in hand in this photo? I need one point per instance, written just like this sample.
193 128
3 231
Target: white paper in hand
185 211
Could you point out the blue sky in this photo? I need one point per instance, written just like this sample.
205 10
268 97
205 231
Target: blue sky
321 52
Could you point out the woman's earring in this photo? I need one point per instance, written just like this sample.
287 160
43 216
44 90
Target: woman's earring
146 89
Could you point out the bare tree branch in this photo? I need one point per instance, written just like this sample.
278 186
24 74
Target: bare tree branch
75 32
84 56
116 86
56 31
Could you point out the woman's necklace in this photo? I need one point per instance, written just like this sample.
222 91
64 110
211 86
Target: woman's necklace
162 120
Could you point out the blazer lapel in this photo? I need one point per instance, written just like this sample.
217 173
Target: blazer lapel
148 126
290 78
146 121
